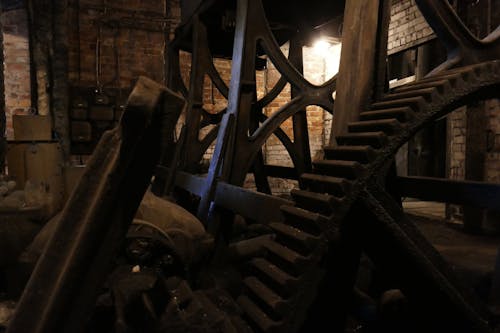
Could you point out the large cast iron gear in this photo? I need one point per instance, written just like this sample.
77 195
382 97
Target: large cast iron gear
281 285
344 208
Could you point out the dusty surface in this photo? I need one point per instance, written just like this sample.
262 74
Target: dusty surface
472 256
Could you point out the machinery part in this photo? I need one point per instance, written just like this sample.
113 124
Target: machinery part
220 18
280 285
326 223
64 284
344 194
355 171
462 46
246 154
344 202
211 310
183 232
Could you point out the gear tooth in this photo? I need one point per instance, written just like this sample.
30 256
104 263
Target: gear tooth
442 85
240 325
326 184
417 103
429 94
403 114
302 219
277 279
289 260
389 126
301 241
256 316
320 203
274 304
338 168
373 139
361 154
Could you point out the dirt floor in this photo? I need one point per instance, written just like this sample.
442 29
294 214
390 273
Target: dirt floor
472 256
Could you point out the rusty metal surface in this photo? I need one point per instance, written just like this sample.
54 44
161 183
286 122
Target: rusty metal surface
385 131
323 207
240 148
303 257
462 46
63 286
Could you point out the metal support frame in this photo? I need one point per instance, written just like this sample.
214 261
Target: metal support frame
62 289
462 46
243 128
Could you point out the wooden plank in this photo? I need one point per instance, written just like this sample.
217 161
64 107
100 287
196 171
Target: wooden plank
263 208
470 193
40 163
32 128
189 182
238 200
357 63
475 159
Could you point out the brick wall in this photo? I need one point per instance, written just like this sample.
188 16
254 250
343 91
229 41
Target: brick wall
407 27
317 69
456 152
492 163
456 148
457 122
42 37
16 65
493 155
111 44
274 151
131 39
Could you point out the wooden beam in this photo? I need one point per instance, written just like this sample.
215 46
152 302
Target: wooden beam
357 62
475 159
236 199
470 193
243 202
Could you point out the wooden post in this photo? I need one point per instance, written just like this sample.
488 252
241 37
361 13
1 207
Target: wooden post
3 120
475 159
358 63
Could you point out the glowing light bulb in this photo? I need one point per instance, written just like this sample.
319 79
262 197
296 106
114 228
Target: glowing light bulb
321 47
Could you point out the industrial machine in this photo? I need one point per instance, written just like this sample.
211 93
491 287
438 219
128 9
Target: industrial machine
264 263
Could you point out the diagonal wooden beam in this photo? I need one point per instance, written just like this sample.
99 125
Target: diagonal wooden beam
63 287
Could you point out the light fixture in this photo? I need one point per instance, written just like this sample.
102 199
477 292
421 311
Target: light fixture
321 47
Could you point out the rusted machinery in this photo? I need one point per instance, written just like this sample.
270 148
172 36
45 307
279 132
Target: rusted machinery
291 264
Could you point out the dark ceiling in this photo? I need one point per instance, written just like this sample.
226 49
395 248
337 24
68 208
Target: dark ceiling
11 4
285 17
